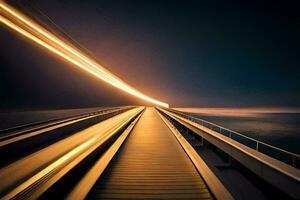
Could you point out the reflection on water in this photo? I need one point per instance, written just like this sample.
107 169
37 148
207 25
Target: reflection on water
279 127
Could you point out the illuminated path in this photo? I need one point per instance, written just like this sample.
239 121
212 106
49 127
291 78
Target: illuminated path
151 164
136 153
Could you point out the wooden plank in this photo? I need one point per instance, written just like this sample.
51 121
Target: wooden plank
150 165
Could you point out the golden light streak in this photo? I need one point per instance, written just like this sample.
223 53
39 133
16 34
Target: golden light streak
49 47
50 36
28 28
48 169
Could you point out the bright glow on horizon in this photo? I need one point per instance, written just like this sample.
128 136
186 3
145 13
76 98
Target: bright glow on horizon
28 28
239 112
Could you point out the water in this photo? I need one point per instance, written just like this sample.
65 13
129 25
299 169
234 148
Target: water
278 127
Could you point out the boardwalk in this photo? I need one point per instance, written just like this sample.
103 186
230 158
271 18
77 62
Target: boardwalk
136 153
151 164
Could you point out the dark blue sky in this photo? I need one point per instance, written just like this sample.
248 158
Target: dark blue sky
187 53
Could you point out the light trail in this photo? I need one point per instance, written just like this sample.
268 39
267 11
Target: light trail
33 31
56 164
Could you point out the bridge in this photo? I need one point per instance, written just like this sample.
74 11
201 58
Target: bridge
140 153
131 152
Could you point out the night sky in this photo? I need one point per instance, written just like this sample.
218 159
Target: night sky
186 53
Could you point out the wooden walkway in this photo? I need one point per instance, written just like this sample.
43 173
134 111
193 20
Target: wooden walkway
151 164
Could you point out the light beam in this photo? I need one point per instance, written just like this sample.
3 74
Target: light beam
36 33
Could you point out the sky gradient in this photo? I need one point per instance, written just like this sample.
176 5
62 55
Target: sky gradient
187 53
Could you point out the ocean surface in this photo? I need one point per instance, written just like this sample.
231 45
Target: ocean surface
279 127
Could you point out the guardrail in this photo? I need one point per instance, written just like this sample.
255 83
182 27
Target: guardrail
285 156
56 119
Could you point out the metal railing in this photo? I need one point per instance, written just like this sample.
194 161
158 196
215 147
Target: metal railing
285 156
54 119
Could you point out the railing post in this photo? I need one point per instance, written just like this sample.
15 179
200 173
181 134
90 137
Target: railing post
257 146
294 161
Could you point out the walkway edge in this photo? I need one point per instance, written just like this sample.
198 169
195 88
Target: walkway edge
212 181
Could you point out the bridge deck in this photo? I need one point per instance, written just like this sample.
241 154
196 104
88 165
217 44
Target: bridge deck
151 164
